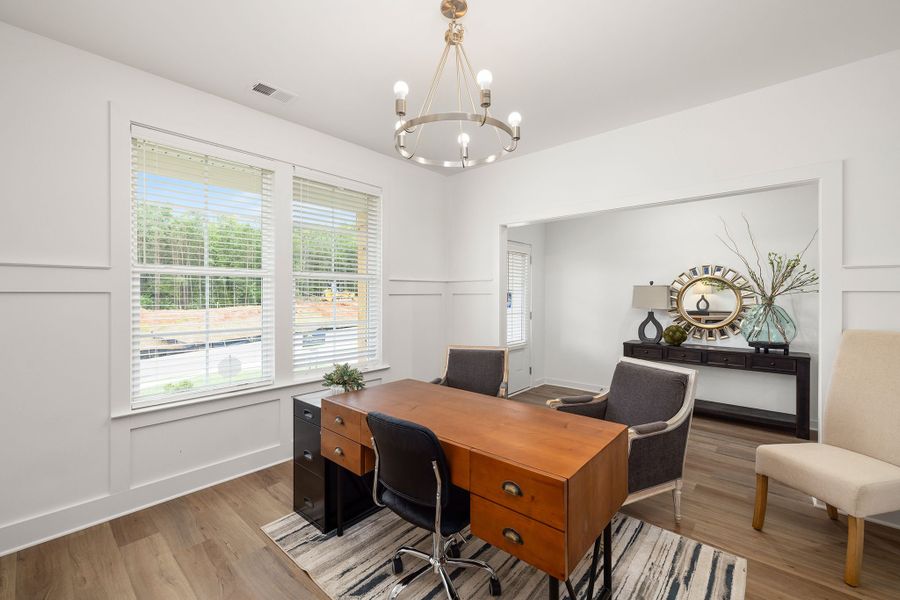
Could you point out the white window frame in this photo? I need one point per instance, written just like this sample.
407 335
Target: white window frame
200 147
377 362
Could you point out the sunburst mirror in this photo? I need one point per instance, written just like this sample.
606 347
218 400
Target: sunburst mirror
710 301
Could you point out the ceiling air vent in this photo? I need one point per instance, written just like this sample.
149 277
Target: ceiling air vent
283 96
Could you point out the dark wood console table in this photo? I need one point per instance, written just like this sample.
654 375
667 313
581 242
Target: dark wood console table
795 364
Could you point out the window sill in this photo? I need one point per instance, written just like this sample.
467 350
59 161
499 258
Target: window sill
305 380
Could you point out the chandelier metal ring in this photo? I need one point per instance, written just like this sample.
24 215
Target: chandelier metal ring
409 124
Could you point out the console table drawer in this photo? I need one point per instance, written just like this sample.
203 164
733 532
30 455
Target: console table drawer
684 355
772 363
726 359
537 544
341 420
525 491
648 353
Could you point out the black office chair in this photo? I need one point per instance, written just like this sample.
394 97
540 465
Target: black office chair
413 480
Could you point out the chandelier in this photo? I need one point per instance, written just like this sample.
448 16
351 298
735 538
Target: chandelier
414 127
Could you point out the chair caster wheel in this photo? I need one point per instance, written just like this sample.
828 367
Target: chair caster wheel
453 550
495 586
396 565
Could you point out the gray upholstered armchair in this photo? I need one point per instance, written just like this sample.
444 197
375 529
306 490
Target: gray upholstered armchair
655 401
479 369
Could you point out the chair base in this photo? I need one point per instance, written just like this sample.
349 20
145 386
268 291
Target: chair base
437 563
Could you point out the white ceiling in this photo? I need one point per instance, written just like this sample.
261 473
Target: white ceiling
572 68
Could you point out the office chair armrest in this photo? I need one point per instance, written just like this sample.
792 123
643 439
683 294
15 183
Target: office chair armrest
437 380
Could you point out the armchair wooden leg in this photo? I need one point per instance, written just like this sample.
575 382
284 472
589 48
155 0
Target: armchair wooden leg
855 530
676 498
832 512
762 496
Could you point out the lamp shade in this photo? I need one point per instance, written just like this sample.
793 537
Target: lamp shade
650 297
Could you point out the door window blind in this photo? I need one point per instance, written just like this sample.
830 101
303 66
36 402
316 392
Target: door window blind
337 275
202 274
517 264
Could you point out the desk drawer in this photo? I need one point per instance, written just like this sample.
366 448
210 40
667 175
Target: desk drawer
773 363
647 353
684 355
307 446
532 494
537 544
346 453
341 420
307 412
725 359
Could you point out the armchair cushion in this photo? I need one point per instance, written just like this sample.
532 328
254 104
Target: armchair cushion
597 409
855 483
640 394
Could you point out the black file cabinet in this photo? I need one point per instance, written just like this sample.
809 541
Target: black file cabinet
316 480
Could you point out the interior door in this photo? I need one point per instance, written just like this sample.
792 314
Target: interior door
518 315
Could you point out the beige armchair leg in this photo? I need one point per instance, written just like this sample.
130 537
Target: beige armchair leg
855 530
762 497
676 498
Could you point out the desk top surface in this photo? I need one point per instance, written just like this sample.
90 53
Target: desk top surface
551 441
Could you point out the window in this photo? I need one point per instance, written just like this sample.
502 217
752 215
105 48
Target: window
202 274
518 261
337 275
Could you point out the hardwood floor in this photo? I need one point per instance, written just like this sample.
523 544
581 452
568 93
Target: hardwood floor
208 544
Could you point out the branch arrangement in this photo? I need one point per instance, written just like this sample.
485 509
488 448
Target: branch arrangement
784 275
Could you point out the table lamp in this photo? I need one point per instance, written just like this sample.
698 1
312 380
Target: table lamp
652 297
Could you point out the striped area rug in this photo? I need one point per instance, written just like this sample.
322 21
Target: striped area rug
649 563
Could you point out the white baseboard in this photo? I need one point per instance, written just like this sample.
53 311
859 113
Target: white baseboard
48 526
578 385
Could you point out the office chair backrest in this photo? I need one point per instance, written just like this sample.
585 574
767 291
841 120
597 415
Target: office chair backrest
476 370
641 394
863 409
406 451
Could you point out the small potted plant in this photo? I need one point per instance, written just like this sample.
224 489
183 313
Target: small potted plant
343 377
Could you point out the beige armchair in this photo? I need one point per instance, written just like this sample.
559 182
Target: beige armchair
857 468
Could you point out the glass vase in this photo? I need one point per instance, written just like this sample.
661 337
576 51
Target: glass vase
768 324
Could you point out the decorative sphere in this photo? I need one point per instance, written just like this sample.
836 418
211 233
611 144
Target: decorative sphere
674 335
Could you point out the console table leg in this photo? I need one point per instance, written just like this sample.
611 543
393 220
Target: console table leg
803 399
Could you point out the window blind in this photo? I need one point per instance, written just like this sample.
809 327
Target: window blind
517 264
337 275
202 274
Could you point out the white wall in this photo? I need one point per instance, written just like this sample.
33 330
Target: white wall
839 127
75 452
593 262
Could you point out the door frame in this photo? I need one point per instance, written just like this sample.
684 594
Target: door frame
526 248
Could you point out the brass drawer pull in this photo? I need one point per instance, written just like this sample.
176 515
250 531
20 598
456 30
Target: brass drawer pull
339 420
512 488
513 536
339 451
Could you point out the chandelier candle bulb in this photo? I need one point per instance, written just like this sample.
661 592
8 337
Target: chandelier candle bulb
484 79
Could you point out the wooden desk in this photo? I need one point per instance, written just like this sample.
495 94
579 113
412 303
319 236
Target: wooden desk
795 364
572 472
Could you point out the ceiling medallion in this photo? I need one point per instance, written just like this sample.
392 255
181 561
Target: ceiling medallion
465 75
